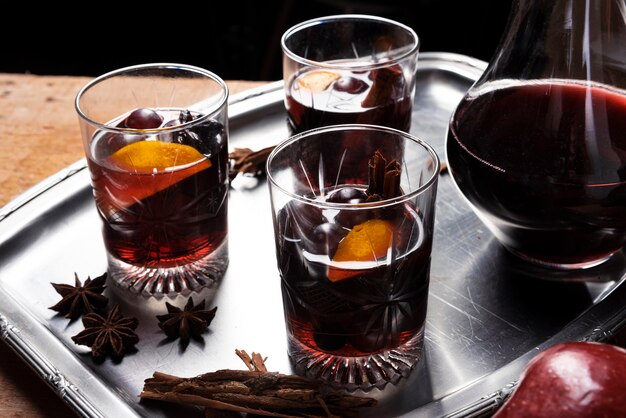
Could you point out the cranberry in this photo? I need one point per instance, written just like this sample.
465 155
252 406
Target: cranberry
350 85
348 195
300 219
324 239
143 118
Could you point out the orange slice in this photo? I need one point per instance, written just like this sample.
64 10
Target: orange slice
151 166
317 81
367 241
146 156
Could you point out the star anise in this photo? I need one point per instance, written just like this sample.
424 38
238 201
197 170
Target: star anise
193 320
113 335
80 299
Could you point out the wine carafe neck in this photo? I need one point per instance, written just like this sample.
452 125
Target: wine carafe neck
566 39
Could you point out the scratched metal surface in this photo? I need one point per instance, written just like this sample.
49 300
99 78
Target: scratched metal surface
487 316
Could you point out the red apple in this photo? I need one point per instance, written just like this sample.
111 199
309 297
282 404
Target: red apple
572 380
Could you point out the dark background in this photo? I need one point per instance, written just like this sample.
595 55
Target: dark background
237 39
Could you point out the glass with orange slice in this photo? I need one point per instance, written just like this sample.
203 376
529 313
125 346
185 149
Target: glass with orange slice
156 141
354 230
349 69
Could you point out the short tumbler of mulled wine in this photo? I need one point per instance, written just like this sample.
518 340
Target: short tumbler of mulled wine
354 233
349 69
156 141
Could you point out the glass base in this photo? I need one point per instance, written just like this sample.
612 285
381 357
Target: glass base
358 373
183 279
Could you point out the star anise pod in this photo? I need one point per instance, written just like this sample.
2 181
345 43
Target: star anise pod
193 320
113 335
80 299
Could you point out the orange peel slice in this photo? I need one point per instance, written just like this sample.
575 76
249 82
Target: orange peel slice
147 156
367 241
317 81
149 167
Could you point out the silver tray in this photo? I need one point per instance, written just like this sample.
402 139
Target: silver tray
488 314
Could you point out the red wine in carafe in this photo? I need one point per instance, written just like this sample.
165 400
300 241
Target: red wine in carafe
544 164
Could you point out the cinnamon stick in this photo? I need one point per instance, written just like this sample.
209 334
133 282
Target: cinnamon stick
256 362
383 86
247 161
391 184
376 166
384 178
254 391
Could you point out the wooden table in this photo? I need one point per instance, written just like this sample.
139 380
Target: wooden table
39 136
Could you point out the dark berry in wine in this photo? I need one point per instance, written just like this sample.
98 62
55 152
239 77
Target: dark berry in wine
143 119
350 195
350 85
325 238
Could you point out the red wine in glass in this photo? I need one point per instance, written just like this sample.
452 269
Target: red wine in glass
359 307
170 210
318 98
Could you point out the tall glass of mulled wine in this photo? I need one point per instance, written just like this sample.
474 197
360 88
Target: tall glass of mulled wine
349 69
538 144
353 245
156 141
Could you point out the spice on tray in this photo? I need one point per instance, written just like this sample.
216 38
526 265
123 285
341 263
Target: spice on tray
254 391
191 321
256 362
80 299
246 161
113 335
384 178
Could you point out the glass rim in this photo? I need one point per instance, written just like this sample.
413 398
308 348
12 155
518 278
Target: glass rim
355 65
189 68
355 206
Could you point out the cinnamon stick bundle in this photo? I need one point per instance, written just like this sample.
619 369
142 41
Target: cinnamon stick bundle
254 392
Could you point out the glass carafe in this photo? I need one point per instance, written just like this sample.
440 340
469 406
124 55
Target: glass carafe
538 144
